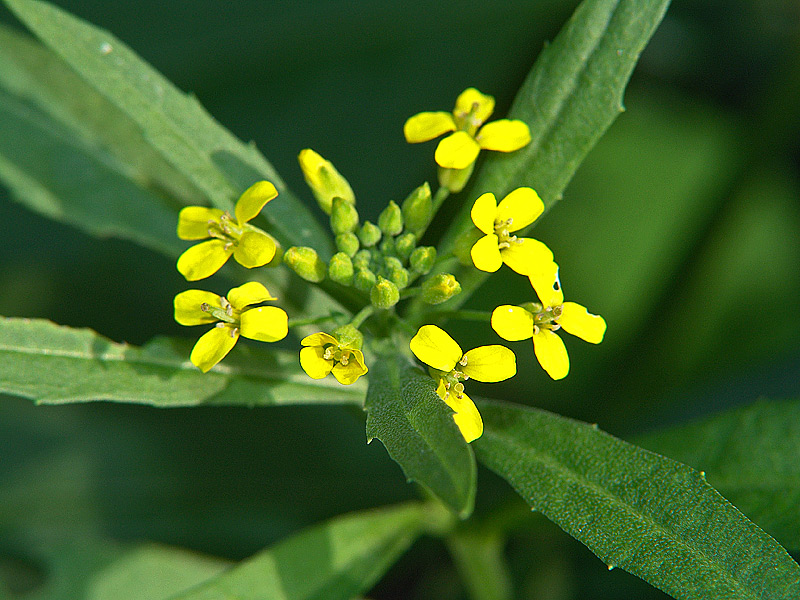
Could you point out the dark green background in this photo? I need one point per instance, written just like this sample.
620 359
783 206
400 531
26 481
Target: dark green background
681 229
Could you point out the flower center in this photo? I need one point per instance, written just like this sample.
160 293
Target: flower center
468 120
452 380
547 318
336 354
224 312
504 238
225 228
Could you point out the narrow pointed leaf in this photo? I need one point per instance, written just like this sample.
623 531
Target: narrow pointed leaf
647 514
750 455
416 426
53 365
339 559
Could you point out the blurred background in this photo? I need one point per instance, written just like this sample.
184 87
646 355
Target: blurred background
681 229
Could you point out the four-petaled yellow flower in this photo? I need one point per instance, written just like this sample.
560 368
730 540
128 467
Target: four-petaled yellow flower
460 149
516 211
322 354
250 246
232 317
450 366
541 321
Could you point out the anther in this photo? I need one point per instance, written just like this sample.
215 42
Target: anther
463 361
205 307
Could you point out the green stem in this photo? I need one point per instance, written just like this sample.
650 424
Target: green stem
439 197
362 316
313 320
463 315
409 292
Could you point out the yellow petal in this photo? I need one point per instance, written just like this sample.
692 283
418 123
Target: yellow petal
349 373
187 307
313 364
490 364
318 339
435 348
512 323
428 125
551 353
457 151
254 249
471 99
575 319
504 135
251 292
484 212
193 221
466 416
486 255
526 255
212 347
265 324
522 206
547 284
204 259
253 200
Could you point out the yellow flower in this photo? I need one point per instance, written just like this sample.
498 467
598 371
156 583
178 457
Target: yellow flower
232 317
460 149
450 366
322 354
541 321
516 211
250 246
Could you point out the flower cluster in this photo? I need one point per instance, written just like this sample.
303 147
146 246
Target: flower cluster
379 264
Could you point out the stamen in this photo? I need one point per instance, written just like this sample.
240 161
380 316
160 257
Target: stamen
535 330
234 331
328 354
205 307
463 361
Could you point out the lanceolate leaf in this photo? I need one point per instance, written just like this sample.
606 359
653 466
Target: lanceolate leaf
336 560
417 428
175 124
750 455
652 516
53 365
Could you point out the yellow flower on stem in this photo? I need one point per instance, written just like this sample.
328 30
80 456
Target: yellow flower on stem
450 366
540 321
322 354
249 245
232 317
516 211
460 149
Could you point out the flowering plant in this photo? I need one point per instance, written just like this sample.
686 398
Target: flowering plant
404 310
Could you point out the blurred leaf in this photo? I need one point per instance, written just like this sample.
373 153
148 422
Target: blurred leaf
569 99
481 564
647 514
750 455
53 365
417 428
174 124
338 559
152 572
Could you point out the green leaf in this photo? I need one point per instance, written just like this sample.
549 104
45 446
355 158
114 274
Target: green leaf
152 572
417 428
175 124
479 557
55 365
750 455
645 513
338 559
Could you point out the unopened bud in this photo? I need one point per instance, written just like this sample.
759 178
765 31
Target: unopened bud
324 180
369 234
439 288
395 271
305 262
340 268
422 259
404 245
348 243
387 246
455 179
418 209
362 259
364 280
390 220
344 216
384 294
348 336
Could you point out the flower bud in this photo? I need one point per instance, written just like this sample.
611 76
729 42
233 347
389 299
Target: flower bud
305 262
455 179
422 259
362 259
348 336
387 246
324 180
344 216
347 243
404 245
340 268
384 294
395 272
418 209
364 280
390 220
369 234
439 288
